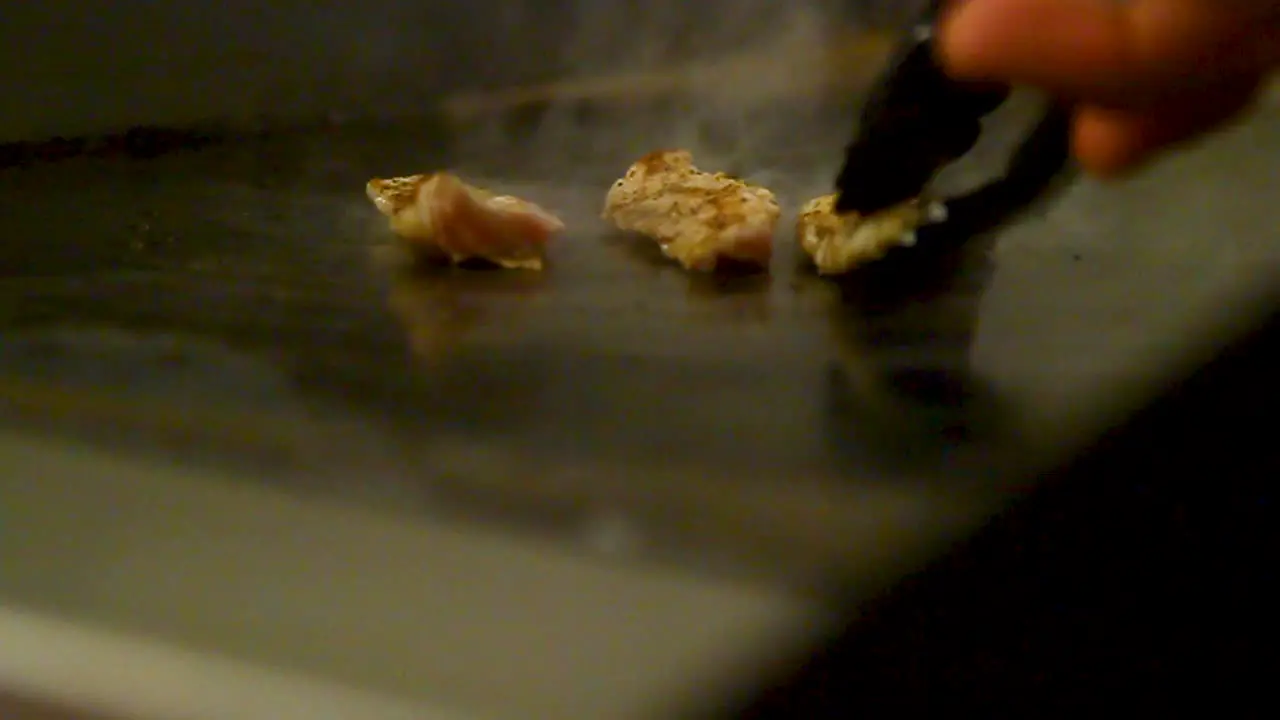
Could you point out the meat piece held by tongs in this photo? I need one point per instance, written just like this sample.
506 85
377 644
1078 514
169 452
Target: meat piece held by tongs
838 243
700 219
440 216
916 121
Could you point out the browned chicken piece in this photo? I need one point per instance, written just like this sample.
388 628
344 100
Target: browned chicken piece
440 216
840 243
698 218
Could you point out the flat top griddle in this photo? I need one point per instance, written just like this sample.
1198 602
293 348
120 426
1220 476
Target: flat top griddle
242 303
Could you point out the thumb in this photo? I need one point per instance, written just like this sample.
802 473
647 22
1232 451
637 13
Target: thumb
1128 54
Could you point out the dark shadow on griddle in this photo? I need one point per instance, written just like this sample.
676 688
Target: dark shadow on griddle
742 293
904 396
742 286
1132 576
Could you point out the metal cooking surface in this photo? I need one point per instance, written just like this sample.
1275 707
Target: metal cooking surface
243 302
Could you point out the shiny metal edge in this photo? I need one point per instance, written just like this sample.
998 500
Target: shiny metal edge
88 669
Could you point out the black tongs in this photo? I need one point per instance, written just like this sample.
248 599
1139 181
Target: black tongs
917 120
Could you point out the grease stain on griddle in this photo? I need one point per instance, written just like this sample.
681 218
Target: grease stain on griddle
142 142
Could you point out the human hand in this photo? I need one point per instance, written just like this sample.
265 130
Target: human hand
1142 75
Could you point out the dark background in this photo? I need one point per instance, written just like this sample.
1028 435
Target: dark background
78 66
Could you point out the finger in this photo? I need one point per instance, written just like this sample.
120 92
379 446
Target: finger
1040 42
1109 142
1120 54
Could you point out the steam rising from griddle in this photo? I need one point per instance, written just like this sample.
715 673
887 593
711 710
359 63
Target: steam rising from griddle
735 82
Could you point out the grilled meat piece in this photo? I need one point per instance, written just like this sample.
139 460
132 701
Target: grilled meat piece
838 243
700 219
440 216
